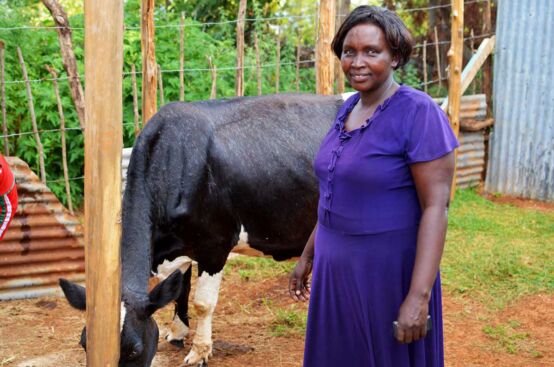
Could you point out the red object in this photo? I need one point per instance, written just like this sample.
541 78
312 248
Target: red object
8 196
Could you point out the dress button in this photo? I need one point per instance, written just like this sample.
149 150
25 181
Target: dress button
328 195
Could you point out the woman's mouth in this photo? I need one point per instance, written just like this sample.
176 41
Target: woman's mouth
359 77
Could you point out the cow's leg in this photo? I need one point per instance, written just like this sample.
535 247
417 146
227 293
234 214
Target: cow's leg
180 325
205 300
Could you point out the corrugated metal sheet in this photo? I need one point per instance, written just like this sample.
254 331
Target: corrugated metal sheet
43 243
522 144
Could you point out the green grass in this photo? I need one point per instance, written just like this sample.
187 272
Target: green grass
289 322
496 253
511 339
258 268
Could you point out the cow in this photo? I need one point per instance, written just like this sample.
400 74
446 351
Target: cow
198 173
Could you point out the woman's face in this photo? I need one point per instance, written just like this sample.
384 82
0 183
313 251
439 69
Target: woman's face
366 59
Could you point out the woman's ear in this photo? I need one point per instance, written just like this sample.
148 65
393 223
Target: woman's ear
395 63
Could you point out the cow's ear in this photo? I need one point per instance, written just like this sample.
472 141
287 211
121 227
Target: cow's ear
75 294
165 292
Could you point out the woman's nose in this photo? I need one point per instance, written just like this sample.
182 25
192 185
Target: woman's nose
357 61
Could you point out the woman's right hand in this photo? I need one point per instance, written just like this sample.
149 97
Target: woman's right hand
299 288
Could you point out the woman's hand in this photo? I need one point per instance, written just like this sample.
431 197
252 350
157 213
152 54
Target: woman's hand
412 319
299 288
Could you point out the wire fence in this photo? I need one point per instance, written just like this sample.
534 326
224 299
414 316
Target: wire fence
193 23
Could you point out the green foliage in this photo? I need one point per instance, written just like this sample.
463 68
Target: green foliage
496 253
290 321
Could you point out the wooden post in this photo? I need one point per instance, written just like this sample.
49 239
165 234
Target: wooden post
103 145
64 145
425 66
278 61
68 56
161 85
239 80
149 65
487 68
135 99
298 49
182 58
3 101
324 55
438 57
472 46
33 116
258 63
487 83
213 70
455 54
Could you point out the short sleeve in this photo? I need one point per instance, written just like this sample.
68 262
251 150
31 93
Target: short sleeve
430 135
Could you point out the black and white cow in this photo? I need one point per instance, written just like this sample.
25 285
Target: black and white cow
198 173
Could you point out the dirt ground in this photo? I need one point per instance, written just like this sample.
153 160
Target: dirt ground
44 332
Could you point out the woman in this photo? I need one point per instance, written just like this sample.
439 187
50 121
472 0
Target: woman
385 170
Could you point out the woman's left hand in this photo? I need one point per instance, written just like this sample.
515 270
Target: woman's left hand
412 319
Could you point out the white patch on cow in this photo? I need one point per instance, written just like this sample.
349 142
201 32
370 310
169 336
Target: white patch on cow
243 236
166 268
178 329
347 95
205 300
122 314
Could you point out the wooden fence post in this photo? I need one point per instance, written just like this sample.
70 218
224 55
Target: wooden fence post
324 55
239 79
161 85
103 145
149 65
278 61
438 58
258 63
297 77
182 58
213 70
487 68
64 145
135 99
33 116
455 75
425 66
68 56
3 101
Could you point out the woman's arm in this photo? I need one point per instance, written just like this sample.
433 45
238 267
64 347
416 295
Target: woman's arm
433 181
299 288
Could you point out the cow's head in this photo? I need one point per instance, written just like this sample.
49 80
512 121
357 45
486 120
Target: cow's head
139 332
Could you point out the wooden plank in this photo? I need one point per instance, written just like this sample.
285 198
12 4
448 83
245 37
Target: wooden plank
149 65
64 145
455 54
239 77
438 58
33 116
103 144
474 64
425 80
487 67
324 56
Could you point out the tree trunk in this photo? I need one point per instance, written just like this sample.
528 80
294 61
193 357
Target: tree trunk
69 62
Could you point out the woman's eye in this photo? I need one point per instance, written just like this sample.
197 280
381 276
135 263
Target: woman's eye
371 52
347 52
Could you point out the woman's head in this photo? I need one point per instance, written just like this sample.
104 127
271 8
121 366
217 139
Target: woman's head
397 36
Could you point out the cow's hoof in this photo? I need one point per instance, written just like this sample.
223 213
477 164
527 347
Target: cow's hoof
198 355
177 343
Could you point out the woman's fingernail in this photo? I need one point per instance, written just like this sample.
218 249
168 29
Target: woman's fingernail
298 292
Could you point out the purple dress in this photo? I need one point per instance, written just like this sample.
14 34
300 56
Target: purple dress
365 242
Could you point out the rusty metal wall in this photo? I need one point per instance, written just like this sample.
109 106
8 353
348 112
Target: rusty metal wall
522 144
43 243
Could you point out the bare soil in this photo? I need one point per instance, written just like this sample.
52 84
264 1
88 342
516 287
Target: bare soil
45 332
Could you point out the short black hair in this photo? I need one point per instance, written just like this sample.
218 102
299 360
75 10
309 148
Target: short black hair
397 35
